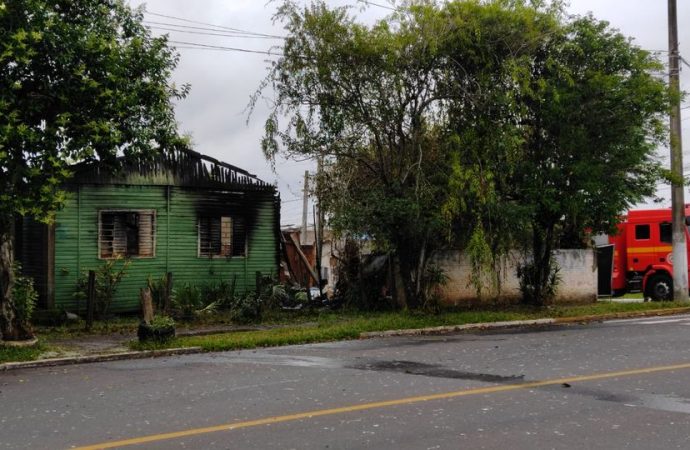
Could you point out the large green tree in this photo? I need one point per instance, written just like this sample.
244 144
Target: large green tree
592 118
492 125
375 103
79 80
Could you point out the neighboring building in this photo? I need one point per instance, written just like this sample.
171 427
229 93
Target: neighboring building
185 213
293 265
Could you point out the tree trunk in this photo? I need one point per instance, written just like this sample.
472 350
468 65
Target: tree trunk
11 327
399 284
543 259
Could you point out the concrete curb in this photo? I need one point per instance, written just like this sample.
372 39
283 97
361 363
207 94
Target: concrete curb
624 315
524 323
53 362
456 328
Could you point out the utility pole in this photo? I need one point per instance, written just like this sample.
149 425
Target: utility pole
319 219
680 256
305 205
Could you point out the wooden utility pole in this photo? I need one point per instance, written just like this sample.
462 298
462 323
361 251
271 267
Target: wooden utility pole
305 205
319 222
680 256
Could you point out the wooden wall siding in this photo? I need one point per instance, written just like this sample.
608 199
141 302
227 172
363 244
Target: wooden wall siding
177 209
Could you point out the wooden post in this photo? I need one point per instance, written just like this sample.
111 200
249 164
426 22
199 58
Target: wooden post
146 305
167 301
90 299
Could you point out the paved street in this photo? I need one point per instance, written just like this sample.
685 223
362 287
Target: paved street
621 384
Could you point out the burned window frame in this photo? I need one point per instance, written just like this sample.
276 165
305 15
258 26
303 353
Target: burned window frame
238 234
140 211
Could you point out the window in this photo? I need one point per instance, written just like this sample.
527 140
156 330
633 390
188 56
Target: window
665 233
221 237
641 232
126 233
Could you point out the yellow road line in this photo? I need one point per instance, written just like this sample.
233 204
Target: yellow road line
382 404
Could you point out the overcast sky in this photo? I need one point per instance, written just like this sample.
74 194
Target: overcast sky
222 80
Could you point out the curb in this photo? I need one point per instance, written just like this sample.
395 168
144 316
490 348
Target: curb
455 328
524 323
53 362
625 315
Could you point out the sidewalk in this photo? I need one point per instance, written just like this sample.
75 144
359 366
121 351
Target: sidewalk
114 346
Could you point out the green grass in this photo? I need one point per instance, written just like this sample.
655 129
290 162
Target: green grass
333 327
15 354
287 328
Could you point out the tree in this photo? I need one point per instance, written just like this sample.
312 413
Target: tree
375 102
79 80
592 121
492 125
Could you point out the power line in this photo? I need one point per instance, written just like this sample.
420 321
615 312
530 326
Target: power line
189 27
367 2
194 45
210 24
238 35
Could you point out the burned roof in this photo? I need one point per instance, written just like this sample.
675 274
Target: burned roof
178 167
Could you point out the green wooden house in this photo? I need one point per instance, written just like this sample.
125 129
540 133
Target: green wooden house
185 213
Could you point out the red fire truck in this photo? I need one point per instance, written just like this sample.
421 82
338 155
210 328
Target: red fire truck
642 254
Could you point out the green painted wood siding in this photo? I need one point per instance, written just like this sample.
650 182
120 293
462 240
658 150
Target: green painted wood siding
177 211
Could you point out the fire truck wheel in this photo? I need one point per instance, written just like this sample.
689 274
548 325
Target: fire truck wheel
659 288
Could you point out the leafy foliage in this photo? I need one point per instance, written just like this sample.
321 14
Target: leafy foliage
107 277
79 81
187 300
25 297
489 125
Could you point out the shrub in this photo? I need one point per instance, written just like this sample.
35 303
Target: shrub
187 300
25 296
108 276
219 296
161 329
246 309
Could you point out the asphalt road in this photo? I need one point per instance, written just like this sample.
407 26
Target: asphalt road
621 384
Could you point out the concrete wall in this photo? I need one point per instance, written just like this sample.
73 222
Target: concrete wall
578 274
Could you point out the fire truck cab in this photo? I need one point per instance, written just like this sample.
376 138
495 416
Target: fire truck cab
642 255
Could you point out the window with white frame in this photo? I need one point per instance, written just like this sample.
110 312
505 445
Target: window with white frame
221 236
126 233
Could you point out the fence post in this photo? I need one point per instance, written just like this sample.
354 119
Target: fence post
146 305
90 299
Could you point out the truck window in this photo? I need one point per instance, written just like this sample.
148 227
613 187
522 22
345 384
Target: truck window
665 233
641 232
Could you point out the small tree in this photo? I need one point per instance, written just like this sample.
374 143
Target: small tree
592 121
79 80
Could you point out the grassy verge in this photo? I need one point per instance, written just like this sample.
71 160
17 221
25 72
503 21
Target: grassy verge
333 327
16 354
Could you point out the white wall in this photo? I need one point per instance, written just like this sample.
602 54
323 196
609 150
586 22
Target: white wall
578 274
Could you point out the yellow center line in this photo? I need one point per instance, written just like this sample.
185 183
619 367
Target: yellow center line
381 404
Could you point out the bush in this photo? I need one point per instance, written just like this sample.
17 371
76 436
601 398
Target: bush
25 297
246 309
158 287
161 329
219 296
108 276
187 300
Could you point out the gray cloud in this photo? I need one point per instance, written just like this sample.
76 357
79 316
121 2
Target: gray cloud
223 81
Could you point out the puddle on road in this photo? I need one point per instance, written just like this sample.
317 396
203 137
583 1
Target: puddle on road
429 370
